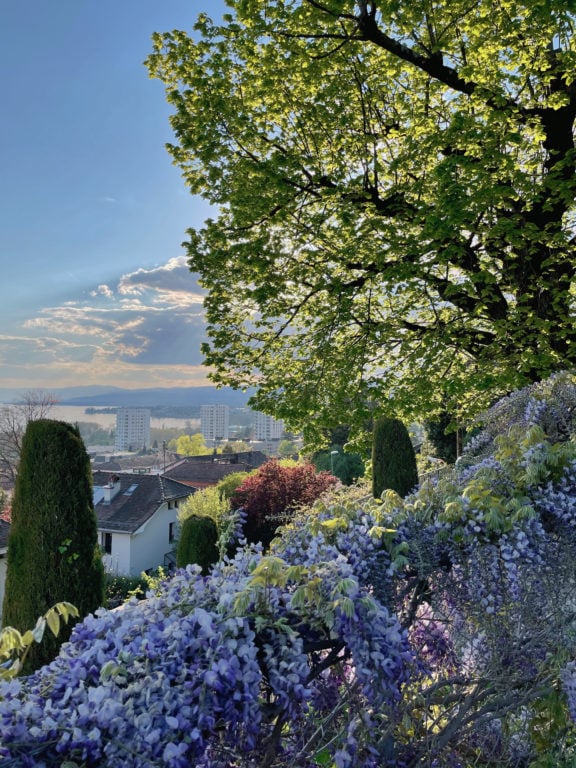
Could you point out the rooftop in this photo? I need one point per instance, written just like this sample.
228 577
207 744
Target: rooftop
136 499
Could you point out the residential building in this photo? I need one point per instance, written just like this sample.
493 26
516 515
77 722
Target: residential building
214 423
132 429
268 428
4 531
137 520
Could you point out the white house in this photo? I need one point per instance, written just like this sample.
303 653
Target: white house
4 530
137 520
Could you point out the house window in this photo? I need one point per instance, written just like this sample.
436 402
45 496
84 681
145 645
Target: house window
107 543
171 532
169 505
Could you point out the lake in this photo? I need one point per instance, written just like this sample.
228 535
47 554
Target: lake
76 413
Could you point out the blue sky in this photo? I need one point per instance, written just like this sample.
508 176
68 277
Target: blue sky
94 283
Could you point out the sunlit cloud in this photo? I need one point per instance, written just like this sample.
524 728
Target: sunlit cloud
102 290
145 328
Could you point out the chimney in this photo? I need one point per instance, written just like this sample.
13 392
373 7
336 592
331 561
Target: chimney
111 489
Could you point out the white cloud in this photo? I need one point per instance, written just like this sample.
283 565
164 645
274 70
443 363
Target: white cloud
102 290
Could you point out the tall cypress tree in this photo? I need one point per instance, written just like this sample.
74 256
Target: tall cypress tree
393 458
53 552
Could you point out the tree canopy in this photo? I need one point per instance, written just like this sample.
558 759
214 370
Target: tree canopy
189 445
395 187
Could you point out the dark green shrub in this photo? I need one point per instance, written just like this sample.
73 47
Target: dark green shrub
198 542
393 458
53 552
444 440
347 467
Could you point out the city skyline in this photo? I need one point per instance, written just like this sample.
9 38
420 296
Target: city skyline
96 288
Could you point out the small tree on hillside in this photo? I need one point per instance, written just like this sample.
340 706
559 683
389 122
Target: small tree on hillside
273 491
189 445
206 502
235 446
393 458
13 420
53 554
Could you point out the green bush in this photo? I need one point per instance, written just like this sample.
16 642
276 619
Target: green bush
443 438
119 589
207 502
393 458
198 542
228 485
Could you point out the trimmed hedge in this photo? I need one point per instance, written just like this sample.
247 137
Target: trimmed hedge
393 458
198 543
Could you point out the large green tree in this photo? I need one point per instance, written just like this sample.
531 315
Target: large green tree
394 185
53 553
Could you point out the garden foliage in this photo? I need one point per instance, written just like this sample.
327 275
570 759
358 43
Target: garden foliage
435 630
228 485
207 502
15 646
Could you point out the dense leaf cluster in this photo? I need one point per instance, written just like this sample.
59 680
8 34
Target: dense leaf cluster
393 458
269 496
394 186
197 543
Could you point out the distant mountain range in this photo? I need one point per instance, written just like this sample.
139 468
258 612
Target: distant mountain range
144 398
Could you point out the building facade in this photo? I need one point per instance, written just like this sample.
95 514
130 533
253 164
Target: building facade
268 428
132 429
214 423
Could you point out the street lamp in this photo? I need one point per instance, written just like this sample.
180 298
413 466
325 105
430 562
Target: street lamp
332 454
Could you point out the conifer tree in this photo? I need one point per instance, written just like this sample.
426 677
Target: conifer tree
393 458
53 554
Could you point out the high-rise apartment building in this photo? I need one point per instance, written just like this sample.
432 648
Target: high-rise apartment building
132 429
268 428
214 422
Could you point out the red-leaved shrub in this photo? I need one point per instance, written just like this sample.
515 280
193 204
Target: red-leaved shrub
270 494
